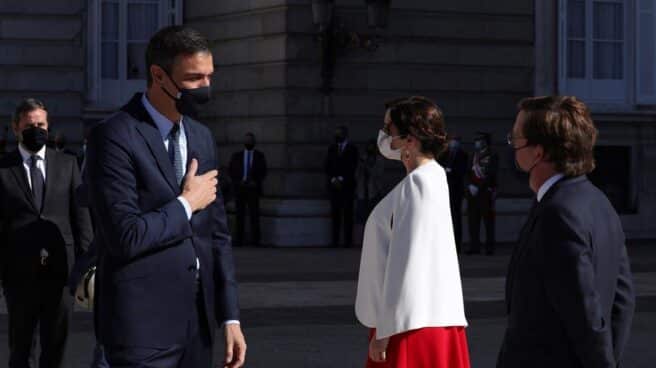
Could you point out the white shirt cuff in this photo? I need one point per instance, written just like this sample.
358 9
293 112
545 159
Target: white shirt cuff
186 206
231 322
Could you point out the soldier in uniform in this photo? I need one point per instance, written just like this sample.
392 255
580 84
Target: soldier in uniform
481 193
455 163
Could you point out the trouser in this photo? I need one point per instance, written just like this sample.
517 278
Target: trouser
45 303
481 207
195 352
248 199
341 206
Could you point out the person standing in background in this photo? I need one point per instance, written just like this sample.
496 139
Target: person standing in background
340 166
481 194
248 169
371 169
454 160
43 229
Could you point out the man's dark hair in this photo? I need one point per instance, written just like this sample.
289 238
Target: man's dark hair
26 106
563 126
169 43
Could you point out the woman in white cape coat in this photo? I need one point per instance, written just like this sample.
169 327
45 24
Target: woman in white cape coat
409 287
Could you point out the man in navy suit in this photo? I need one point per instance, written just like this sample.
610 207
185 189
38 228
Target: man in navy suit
569 290
165 270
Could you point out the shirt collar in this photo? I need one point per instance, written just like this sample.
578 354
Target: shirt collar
164 125
26 155
548 184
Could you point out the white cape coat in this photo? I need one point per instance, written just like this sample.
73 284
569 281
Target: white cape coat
409 273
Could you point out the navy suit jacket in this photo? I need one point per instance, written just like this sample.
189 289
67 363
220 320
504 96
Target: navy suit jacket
569 290
147 246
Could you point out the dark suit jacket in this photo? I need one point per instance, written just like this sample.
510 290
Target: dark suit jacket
569 290
257 172
147 246
344 165
457 163
63 228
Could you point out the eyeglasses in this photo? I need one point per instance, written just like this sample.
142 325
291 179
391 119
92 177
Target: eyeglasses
510 139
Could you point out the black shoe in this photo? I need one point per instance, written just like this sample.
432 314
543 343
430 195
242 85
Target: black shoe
489 252
469 252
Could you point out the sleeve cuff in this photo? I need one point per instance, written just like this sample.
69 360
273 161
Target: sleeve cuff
231 322
186 205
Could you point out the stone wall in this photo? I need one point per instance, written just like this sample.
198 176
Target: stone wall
42 55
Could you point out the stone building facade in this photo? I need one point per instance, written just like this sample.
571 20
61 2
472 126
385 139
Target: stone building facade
475 58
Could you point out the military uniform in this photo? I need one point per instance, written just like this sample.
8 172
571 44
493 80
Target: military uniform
481 196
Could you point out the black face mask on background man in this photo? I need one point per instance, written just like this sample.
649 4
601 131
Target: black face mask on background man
189 99
34 138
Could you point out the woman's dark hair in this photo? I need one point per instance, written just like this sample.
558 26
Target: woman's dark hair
562 125
421 118
171 42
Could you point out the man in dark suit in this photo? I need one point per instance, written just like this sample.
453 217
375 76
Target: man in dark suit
569 291
166 276
481 194
340 166
42 230
248 169
454 161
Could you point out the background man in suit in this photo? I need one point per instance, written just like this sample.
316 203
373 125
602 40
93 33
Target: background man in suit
454 161
481 194
165 269
569 291
248 170
340 166
42 230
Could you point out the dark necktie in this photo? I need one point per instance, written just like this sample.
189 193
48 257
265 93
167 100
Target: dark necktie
175 154
36 176
249 162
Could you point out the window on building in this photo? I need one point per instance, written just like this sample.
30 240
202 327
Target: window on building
120 30
646 52
594 49
613 176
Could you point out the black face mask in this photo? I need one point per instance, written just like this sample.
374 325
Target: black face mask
249 146
34 138
340 139
189 99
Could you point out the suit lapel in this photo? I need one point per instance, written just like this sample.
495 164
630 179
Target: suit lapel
21 178
519 251
526 232
192 141
53 173
153 139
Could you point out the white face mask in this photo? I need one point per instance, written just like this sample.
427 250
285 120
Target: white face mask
385 146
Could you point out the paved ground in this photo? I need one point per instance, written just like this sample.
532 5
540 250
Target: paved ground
298 309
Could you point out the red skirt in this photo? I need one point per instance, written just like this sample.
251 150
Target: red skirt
432 347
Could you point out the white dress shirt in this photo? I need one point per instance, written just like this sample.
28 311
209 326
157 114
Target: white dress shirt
544 188
409 273
27 160
164 125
